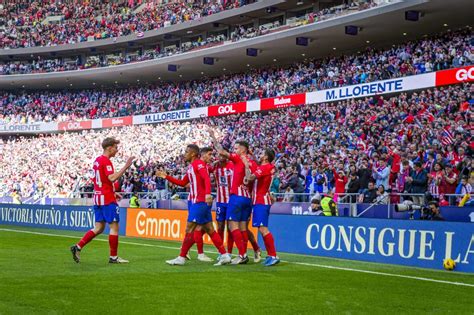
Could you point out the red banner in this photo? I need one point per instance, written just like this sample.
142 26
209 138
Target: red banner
75 125
227 109
117 122
282 102
453 76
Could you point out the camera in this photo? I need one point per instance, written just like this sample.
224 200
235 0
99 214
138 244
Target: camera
408 206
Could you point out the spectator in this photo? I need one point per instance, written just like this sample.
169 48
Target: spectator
275 186
340 183
382 196
465 190
311 181
436 180
370 194
404 173
417 182
450 179
294 182
161 187
289 195
364 174
353 187
381 174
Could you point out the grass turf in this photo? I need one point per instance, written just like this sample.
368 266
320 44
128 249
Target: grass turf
38 276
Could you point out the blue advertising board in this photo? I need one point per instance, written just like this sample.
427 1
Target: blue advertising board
76 218
449 213
403 242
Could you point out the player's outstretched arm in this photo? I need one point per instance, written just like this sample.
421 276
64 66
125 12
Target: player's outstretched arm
113 177
217 145
180 182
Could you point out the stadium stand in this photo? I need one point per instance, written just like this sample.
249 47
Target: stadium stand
358 133
42 65
452 49
46 23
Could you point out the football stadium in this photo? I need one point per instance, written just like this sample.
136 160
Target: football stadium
296 156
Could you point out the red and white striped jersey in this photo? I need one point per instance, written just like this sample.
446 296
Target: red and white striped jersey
223 176
104 190
199 181
238 188
261 187
434 185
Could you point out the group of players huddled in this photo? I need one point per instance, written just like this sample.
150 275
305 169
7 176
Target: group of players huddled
243 191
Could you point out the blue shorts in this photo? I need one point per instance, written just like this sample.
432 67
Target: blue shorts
260 215
199 213
239 208
109 213
221 211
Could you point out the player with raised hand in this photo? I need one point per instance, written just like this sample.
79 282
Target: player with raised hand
199 199
223 174
240 205
105 201
262 175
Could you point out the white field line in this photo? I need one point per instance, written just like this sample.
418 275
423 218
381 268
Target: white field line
291 262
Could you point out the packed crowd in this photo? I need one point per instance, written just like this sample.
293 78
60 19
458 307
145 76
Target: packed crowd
40 65
65 159
411 143
452 49
22 23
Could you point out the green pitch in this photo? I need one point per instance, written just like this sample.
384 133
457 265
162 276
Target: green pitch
37 275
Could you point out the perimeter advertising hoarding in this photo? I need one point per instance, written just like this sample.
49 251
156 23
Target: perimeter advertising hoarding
117 122
75 125
176 115
372 88
401 242
283 101
455 76
227 109
162 224
396 85
38 127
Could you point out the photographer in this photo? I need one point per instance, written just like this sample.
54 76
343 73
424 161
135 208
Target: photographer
433 214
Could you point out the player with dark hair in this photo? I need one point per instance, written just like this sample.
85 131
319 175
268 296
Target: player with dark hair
200 199
240 204
223 171
105 201
206 157
262 175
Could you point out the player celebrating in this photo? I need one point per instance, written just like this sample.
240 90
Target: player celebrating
105 201
223 174
199 200
240 204
262 200
206 157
